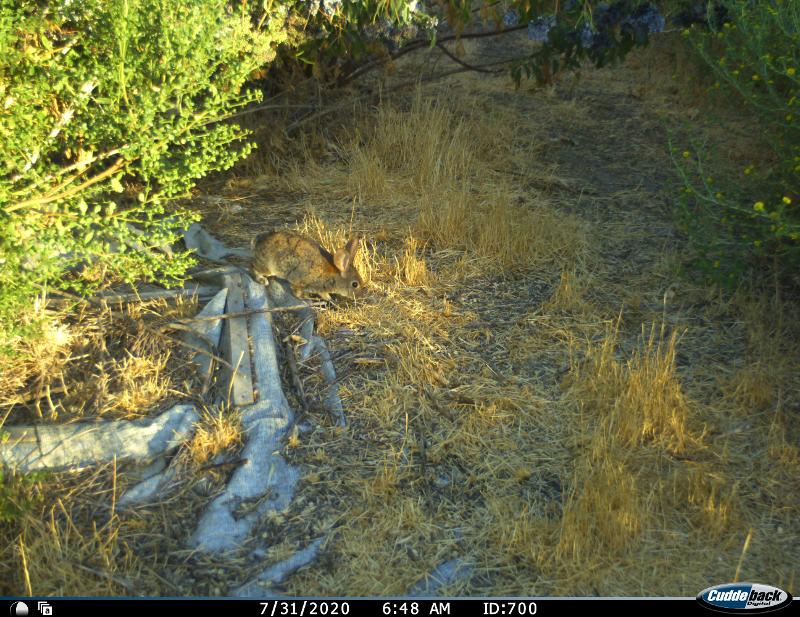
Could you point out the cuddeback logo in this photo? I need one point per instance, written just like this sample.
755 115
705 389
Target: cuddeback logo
749 597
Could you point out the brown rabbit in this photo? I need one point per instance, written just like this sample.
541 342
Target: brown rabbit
308 267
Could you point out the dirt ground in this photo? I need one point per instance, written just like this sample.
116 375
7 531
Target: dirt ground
536 382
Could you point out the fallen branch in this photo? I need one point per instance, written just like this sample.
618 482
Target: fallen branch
222 361
305 119
125 584
281 295
141 296
296 381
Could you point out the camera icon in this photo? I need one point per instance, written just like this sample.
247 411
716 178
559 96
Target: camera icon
44 608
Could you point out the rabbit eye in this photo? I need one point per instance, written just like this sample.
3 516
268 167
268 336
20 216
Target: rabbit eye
354 284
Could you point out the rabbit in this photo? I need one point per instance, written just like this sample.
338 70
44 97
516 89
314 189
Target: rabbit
308 267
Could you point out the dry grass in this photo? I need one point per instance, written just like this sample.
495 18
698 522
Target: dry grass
510 236
530 385
70 543
557 448
91 362
218 431
410 267
61 533
636 401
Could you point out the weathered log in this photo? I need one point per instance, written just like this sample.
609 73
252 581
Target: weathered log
84 444
264 471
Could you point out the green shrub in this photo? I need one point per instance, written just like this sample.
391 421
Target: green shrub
753 219
109 110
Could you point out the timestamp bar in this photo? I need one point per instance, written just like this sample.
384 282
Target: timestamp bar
456 607
346 607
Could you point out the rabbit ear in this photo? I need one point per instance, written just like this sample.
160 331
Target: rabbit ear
352 247
343 258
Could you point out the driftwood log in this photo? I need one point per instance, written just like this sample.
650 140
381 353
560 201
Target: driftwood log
264 472
81 445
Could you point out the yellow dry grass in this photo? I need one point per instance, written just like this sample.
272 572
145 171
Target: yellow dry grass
65 546
636 401
60 532
530 385
613 479
95 361
219 430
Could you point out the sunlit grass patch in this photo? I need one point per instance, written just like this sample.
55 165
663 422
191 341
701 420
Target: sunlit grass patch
570 295
759 382
429 144
639 400
368 177
706 495
604 515
411 268
96 360
510 235
219 430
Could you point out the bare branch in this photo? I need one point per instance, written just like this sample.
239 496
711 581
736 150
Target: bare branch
466 65
420 43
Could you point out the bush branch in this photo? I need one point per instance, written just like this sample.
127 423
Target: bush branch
38 201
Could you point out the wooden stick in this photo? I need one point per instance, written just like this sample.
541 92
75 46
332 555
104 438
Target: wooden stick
236 344
115 579
136 296
193 348
31 396
305 119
